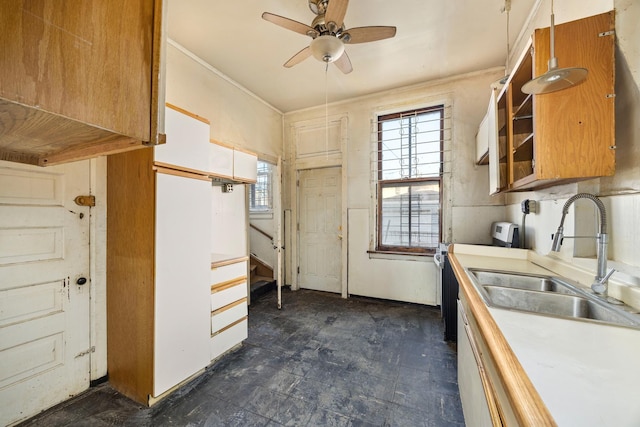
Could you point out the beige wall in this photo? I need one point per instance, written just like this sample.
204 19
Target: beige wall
466 185
237 117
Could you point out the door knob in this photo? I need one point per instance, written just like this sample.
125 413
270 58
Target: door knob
81 280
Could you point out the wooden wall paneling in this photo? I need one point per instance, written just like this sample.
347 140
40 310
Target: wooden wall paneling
130 272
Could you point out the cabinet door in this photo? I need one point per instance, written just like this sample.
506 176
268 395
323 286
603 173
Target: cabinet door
187 143
482 140
183 262
88 61
472 395
221 160
575 127
497 140
245 166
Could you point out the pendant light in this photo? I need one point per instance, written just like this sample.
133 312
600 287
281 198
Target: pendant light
555 78
506 8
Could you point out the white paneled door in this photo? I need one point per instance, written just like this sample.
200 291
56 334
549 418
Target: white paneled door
320 235
44 287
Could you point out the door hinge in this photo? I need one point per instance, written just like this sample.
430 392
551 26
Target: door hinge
606 33
298 226
298 269
85 201
92 349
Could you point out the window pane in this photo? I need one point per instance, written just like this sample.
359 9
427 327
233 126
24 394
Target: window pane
410 146
410 215
260 193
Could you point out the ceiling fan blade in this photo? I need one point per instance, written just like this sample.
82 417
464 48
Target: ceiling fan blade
344 63
368 34
289 24
298 57
336 10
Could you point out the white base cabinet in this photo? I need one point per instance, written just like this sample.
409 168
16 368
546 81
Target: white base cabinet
228 305
474 402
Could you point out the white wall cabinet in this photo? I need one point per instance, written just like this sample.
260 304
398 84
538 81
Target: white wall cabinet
221 160
245 166
158 261
232 164
187 146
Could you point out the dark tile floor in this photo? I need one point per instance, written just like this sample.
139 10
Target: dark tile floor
320 361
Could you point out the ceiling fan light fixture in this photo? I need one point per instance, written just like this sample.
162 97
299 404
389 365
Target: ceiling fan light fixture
327 48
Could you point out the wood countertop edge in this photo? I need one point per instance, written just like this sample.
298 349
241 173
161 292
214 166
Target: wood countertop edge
525 401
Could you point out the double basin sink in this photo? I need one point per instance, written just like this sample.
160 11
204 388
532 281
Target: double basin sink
548 295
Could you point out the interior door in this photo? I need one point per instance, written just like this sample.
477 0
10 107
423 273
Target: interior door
44 287
320 235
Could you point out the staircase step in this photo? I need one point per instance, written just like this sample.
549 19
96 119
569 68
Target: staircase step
261 287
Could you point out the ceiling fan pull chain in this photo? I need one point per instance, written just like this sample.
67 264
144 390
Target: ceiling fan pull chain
326 110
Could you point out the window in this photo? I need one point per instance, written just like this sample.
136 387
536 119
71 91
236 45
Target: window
409 175
261 193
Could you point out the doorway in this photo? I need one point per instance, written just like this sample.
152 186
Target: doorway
44 287
320 229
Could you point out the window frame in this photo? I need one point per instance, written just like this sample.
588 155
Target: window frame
381 184
253 212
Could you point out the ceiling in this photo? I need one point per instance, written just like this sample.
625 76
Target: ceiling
435 39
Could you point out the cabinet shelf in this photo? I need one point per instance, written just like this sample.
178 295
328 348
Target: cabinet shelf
524 151
523 143
525 109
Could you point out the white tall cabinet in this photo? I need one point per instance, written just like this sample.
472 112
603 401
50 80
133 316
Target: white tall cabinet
181 297
158 261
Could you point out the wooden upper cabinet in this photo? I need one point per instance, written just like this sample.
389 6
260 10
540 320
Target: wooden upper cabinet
568 135
79 78
577 131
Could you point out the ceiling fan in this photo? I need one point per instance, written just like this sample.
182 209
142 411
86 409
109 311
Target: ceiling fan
328 33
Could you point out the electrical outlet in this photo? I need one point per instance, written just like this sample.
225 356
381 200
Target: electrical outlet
528 206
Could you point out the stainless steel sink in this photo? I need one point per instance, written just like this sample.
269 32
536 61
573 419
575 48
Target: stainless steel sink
547 295
522 281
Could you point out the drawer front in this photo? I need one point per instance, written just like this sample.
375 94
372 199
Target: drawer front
228 272
228 295
228 338
225 316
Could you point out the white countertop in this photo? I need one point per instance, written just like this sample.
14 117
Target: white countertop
587 374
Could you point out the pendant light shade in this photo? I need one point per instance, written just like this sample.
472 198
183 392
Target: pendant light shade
327 48
555 78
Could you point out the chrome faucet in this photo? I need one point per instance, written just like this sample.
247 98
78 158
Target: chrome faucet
599 286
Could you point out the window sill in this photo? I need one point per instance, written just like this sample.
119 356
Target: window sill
404 256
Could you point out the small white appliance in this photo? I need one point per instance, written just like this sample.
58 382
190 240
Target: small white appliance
505 234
